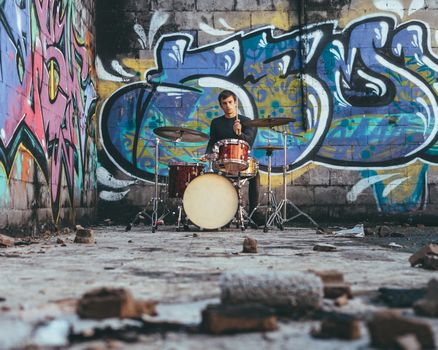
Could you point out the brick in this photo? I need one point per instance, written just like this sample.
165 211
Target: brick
339 326
329 276
386 326
430 262
336 290
6 241
105 302
428 306
249 245
222 318
324 247
417 257
84 235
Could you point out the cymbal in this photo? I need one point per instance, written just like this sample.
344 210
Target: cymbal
178 134
268 122
269 148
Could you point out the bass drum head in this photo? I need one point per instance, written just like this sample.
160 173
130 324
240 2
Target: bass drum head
210 201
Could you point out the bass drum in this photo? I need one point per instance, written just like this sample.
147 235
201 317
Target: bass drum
210 201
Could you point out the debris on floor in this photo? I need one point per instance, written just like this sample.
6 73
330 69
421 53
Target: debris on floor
387 326
113 302
226 318
287 292
356 231
84 235
426 257
340 326
249 245
6 241
428 305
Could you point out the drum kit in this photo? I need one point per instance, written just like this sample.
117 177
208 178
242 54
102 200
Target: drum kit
211 197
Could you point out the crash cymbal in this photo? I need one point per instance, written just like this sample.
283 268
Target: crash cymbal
177 134
269 148
268 122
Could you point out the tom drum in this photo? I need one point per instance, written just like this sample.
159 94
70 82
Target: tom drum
232 154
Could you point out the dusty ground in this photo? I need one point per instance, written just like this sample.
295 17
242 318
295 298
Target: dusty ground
41 282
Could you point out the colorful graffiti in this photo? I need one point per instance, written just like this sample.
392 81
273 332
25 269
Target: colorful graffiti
363 98
47 93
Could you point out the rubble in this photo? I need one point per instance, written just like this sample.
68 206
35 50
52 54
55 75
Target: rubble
223 318
334 285
84 235
355 232
6 241
387 326
407 342
324 247
288 292
113 302
250 245
426 257
401 297
340 326
428 306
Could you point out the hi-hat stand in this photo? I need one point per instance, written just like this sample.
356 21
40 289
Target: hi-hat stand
282 205
155 201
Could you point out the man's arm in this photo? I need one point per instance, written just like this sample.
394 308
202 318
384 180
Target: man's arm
248 134
212 139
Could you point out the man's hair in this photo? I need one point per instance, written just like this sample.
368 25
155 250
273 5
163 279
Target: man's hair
225 94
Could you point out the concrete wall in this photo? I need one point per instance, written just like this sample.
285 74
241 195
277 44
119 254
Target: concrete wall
47 114
359 77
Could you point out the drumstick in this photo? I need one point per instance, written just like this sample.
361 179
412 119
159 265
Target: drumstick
237 120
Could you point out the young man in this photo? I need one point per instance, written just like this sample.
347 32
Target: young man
229 126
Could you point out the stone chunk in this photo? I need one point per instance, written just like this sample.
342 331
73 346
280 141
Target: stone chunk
6 241
408 342
428 306
384 231
401 297
324 247
430 262
105 302
222 318
340 326
336 290
84 235
386 326
329 276
417 258
249 245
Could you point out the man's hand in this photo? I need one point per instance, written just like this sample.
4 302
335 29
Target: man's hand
237 127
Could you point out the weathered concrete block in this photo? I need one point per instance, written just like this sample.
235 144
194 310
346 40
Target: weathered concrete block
191 20
236 20
249 5
331 194
339 326
277 19
428 306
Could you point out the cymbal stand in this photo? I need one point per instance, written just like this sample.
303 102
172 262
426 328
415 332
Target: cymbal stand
240 220
155 200
273 218
282 205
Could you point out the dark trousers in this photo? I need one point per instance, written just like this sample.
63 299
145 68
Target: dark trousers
253 192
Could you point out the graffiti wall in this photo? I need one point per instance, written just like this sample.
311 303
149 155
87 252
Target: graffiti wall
359 79
47 98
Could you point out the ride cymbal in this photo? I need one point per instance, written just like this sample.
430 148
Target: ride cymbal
268 122
178 134
269 148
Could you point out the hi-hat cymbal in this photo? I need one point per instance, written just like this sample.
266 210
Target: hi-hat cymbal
268 122
177 134
269 148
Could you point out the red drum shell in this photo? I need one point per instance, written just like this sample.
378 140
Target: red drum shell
232 154
180 175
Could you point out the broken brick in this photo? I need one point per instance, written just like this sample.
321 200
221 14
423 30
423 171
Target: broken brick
428 306
84 235
249 245
6 241
324 247
112 302
329 276
386 326
340 326
223 318
336 290
417 257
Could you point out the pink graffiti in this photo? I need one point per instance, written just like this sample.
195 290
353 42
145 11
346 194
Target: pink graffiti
60 106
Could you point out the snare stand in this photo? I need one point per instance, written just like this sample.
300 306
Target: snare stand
282 205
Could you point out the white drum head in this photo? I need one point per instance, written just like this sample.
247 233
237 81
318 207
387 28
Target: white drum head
210 201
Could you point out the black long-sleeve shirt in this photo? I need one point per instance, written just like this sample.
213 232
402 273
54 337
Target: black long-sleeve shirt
222 128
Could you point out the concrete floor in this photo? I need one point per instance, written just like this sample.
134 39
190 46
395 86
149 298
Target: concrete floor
41 281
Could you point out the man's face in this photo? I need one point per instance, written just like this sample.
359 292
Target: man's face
229 106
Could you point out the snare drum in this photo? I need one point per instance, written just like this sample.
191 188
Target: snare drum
180 175
232 154
210 201
251 171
